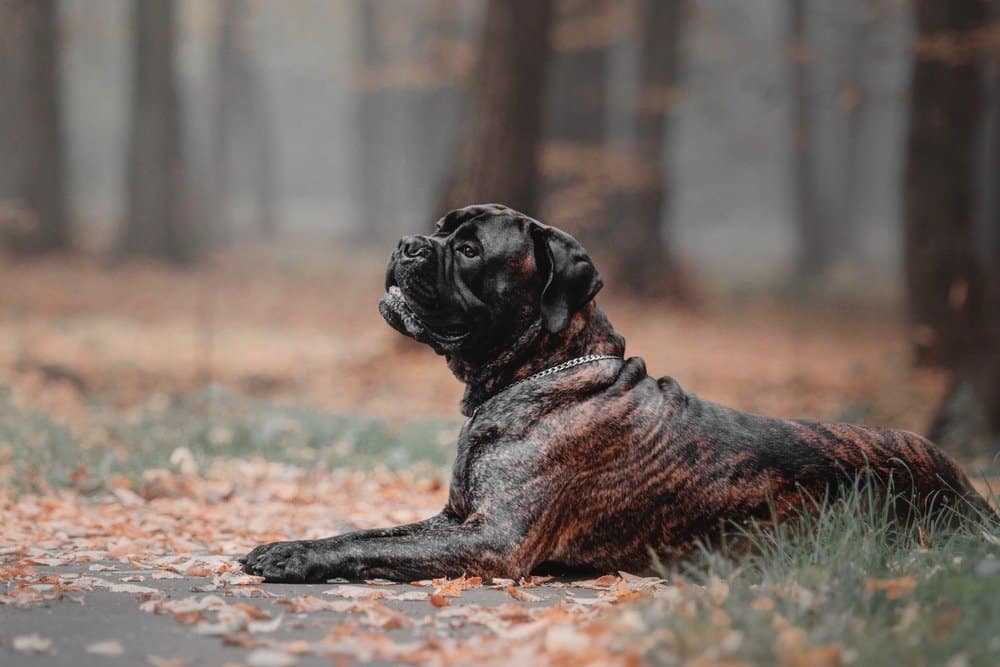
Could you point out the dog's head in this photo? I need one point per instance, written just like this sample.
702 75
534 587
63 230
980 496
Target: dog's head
485 275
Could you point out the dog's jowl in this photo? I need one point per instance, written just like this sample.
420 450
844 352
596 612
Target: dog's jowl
572 454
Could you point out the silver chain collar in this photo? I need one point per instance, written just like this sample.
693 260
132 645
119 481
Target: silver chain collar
586 359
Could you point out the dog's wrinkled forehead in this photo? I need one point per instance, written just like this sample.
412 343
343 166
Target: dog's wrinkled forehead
449 223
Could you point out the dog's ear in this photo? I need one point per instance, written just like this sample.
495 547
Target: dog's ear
571 279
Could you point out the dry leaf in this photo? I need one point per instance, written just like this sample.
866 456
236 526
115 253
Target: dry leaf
522 595
893 588
305 604
253 612
106 647
33 643
270 658
357 592
601 583
265 626
409 596
453 588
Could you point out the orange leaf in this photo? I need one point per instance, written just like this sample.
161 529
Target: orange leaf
893 588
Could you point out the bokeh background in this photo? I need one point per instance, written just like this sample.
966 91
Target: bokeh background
794 204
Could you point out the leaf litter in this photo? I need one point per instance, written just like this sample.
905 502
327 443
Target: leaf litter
186 529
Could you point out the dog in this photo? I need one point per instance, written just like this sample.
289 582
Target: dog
572 456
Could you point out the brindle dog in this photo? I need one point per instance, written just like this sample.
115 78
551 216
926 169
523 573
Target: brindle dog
597 465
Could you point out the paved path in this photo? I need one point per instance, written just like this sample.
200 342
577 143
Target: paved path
78 620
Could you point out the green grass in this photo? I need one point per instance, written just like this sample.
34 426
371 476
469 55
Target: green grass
849 578
211 424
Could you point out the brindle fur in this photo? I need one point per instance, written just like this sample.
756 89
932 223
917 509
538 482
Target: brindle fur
594 467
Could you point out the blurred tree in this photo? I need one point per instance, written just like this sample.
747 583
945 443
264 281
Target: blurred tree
952 259
242 128
33 216
573 162
499 158
853 100
940 198
157 222
415 57
372 122
814 212
641 206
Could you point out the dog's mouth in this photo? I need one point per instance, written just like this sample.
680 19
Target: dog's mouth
402 317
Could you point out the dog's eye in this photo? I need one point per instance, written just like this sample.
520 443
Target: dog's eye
468 250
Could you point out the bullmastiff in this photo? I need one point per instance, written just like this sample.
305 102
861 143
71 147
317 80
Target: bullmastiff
572 455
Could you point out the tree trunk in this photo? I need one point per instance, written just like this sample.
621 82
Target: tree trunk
157 223
942 271
242 130
368 230
646 265
218 225
858 108
952 226
574 178
813 210
32 182
499 158
412 68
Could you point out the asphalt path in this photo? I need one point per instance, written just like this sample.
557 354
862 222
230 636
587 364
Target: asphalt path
82 620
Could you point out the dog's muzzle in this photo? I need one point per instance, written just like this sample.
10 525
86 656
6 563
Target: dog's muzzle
411 304
414 269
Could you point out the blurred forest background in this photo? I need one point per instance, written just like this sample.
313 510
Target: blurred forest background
795 203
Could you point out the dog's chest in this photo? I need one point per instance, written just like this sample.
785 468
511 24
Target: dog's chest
491 464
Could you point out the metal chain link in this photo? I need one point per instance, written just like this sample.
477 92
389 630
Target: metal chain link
549 371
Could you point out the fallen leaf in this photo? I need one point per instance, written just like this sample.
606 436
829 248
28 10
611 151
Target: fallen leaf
601 583
100 567
298 647
453 588
438 600
265 626
270 658
189 617
383 617
522 596
893 588
625 593
125 588
253 612
33 643
357 592
409 596
106 647
380 582
304 604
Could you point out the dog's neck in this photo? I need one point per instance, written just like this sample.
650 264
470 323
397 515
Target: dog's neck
534 350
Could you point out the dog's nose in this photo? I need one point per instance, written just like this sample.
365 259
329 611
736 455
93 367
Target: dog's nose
415 246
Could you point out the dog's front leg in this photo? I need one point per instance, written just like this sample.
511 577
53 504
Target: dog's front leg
436 548
278 552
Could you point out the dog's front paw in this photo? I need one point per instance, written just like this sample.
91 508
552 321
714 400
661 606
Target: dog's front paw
289 562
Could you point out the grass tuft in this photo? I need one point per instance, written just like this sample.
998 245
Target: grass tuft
845 585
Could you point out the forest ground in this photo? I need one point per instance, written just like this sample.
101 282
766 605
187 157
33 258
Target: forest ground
154 422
